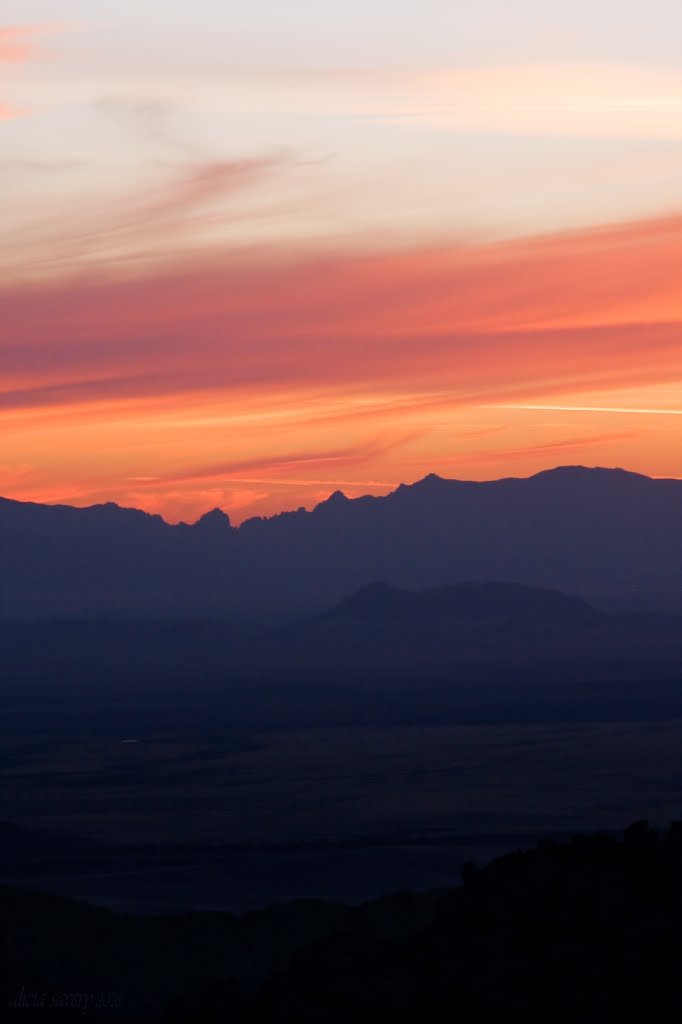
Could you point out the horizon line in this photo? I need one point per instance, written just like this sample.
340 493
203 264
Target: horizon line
336 490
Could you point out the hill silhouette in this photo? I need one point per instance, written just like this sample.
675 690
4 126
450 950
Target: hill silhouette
464 602
603 534
585 930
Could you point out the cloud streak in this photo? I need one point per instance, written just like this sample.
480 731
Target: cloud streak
627 410
599 100
284 463
552 315
550 449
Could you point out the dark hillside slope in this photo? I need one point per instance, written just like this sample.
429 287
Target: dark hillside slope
587 930
584 531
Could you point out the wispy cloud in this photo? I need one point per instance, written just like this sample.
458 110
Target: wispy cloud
600 100
593 99
549 449
147 222
283 463
628 410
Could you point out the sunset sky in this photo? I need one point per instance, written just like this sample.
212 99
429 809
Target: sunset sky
252 253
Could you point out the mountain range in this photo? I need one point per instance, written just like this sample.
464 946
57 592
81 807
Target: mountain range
607 535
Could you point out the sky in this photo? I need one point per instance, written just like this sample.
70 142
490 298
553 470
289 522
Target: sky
254 253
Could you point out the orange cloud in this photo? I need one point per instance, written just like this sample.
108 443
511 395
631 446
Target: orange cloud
369 362
550 449
278 464
546 314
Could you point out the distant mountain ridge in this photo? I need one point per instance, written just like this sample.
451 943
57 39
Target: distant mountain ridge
587 531
463 602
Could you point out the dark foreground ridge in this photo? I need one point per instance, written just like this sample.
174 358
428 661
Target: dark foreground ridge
588 930
599 533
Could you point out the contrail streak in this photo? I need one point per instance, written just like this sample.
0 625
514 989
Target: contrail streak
591 408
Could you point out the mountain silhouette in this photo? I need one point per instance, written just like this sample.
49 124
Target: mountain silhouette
463 602
604 534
